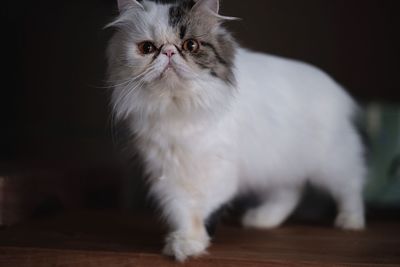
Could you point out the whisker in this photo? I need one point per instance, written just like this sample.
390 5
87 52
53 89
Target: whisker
114 84
124 82
127 90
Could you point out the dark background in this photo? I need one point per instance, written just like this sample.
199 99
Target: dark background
54 107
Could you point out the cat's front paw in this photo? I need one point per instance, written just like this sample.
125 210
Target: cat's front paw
181 246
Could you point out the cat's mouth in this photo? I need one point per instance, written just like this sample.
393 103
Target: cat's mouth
168 70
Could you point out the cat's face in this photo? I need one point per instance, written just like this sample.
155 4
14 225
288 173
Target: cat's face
172 43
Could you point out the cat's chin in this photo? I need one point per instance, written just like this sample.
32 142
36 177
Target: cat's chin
169 72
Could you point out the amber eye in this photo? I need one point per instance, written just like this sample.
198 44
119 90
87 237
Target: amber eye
191 45
147 47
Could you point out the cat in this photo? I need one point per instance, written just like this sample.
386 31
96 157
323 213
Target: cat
212 121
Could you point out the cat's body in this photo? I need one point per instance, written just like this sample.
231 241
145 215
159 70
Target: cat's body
214 127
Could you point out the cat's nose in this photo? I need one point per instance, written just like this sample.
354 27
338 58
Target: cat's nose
169 50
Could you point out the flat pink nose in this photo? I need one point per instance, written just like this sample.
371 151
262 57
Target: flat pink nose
169 51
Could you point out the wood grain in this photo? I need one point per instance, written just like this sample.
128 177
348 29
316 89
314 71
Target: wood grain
114 239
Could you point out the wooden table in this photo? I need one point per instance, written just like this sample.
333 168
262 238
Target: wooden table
110 238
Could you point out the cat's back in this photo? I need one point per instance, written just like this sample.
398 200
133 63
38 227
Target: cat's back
284 85
288 110
275 71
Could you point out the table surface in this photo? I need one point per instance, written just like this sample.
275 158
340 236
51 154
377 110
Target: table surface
110 238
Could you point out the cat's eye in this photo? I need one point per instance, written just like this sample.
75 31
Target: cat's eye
147 47
191 45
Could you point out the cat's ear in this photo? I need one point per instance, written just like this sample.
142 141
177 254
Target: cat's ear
211 6
127 4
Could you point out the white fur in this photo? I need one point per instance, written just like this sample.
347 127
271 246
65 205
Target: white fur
205 142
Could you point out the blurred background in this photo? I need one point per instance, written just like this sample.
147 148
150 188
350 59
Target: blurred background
56 142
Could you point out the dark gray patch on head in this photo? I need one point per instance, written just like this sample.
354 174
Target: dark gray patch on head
217 55
175 15
182 31
217 50
178 11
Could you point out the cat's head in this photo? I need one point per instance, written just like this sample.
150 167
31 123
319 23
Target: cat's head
169 46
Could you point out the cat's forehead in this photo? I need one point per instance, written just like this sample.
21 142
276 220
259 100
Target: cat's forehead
167 22
156 20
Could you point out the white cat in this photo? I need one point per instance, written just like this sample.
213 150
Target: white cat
212 121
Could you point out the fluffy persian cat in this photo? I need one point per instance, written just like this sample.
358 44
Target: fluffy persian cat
212 121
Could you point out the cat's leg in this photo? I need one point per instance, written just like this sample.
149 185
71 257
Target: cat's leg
187 238
186 204
278 205
185 218
344 180
350 210
348 197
